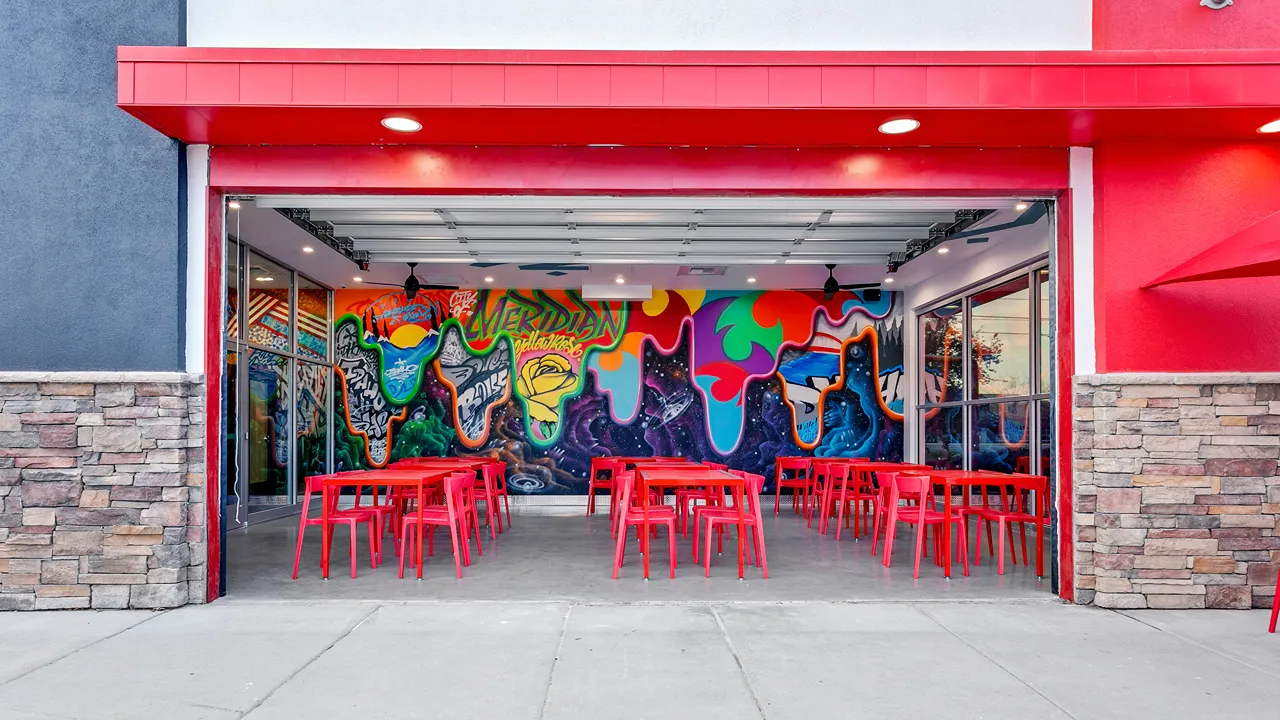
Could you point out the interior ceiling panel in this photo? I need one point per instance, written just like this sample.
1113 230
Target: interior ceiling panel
640 230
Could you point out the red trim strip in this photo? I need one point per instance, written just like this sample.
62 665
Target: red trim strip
1066 347
213 360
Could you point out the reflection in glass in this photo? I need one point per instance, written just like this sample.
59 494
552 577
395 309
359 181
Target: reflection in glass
1001 339
269 289
942 332
312 428
231 464
1046 362
1046 438
231 304
1001 437
944 438
268 417
313 320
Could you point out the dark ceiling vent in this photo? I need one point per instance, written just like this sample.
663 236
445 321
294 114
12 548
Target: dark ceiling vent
703 270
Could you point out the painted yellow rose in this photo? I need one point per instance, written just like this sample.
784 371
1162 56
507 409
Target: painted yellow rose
544 380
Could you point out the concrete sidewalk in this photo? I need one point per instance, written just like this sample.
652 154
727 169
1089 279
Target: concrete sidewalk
507 660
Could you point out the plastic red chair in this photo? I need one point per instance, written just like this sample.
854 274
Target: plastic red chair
718 518
918 489
1012 509
801 483
1275 605
627 516
835 479
716 466
606 466
453 514
856 491
351 518
496 473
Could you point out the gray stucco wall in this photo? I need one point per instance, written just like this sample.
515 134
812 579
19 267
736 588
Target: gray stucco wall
92 215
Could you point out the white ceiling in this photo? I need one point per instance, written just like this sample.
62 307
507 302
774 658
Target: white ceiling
781 242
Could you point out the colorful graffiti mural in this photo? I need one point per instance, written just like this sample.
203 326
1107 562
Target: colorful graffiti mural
546 380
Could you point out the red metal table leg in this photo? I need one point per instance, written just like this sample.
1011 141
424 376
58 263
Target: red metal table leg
324 530
644 535
946 529
742 528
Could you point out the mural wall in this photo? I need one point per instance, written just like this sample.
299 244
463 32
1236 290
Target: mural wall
545 380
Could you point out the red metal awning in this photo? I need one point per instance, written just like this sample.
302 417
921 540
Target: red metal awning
1252 252
991 99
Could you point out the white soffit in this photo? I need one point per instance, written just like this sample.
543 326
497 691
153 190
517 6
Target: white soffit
629 230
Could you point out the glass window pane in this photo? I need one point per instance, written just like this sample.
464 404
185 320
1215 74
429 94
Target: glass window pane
313 320
269 288
1046 438
944 437
231 303
1001 441
1046 360
312 423
941 336
268 418
1001 339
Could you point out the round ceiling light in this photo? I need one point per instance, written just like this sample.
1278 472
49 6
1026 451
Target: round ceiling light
264 279
308 249
1271 127
751 279
888 280
944 250
899 126
620 280
488 279
357 279
234 204
1021 206
401 124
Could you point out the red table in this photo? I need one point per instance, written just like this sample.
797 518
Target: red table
660 475
969 479
406 477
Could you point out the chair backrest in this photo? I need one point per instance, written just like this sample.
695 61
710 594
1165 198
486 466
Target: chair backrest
625 482
603 465
410 462
908 486
838 472
495 472
801 466
716 466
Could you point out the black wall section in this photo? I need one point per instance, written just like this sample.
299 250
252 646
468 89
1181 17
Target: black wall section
92 257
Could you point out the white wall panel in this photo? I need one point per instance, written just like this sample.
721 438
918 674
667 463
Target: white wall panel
644 24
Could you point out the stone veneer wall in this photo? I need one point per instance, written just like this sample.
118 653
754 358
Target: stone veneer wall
1177 494
101 490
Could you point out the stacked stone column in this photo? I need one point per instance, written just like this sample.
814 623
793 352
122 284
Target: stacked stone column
101 490
1177 493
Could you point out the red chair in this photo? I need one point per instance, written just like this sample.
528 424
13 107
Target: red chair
835 480
351 518
716 466
453 514
856 492
718 518
918 489
496 473
489 496
801 483
1275 605
627 516
599 466
1012 509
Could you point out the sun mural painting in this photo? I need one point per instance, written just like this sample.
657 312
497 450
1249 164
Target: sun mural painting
544 380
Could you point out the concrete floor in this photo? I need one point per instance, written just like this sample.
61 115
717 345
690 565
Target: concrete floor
558 660
570 559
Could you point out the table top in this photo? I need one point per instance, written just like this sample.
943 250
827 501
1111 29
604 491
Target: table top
660 475
984 477
391 476
648 460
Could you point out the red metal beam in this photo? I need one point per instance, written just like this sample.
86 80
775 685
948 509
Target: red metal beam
639 170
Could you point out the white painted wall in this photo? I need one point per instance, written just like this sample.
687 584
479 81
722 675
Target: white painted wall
1085 327
935 277
197 236
644 24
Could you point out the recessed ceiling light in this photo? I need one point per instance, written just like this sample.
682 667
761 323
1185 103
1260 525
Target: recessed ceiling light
899 126
488 279
751 279
944 250
1271 127
308 249
1020 206
234 204
620 280
264 279
401 124
888 280
357 279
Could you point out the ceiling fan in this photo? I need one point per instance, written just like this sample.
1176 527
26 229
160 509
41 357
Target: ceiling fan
832 286
412 284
